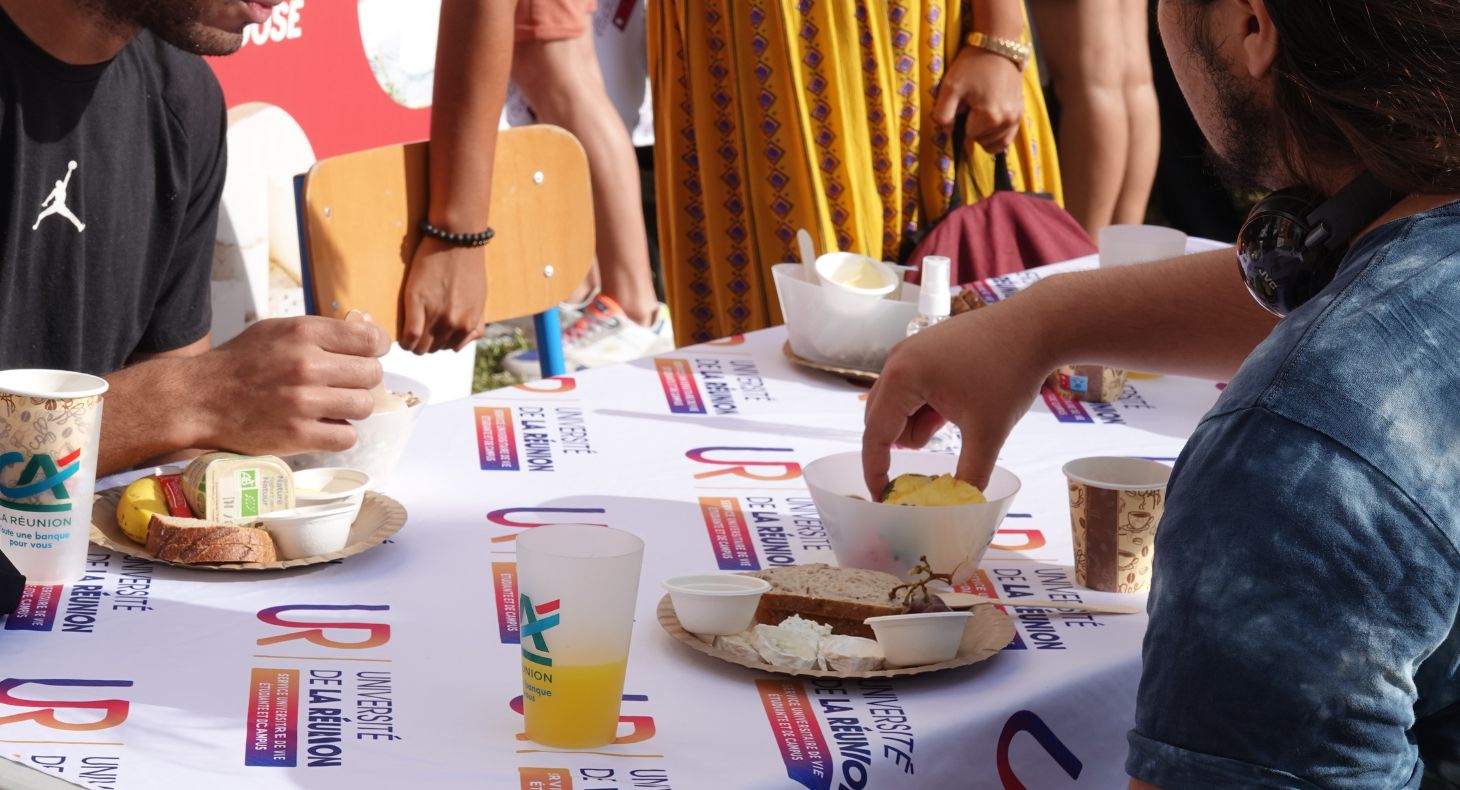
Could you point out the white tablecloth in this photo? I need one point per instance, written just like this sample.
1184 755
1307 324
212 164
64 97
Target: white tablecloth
195 679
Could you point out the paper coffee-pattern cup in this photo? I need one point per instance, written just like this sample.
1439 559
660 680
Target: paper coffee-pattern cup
50 428
1115 508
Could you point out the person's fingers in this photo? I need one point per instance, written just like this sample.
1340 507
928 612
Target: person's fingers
415 322
427 339
945 111
454 340
331 436
921 428
472 337
889 406
976 461
351 372
355 338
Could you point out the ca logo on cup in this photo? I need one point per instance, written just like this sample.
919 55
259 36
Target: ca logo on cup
114 711
53 476
535 621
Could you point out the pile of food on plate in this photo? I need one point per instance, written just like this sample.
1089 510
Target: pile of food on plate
225 507
816 617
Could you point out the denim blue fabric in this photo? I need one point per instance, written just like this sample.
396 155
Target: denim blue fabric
1303 612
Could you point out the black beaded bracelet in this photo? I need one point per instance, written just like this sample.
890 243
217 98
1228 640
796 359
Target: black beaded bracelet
458 239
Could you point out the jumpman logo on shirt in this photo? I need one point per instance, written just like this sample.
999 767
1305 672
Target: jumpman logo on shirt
55 203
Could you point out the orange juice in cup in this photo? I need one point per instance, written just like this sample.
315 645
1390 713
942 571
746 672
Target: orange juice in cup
577 585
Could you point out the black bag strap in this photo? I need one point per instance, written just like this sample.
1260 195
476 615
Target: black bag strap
1002 183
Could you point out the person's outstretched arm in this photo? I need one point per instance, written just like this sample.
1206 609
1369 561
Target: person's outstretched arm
1187 316
446 287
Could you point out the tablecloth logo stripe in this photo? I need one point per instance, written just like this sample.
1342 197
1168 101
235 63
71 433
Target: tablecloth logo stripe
798 732
273 718
545 779
317 632
680 389
504 583
38 607
1065 409
43 711
729 534
496 439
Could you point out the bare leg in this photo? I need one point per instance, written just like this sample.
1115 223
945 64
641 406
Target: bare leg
1142 113
1083 47
562 82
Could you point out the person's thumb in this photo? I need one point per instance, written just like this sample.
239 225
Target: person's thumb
976 462
946 108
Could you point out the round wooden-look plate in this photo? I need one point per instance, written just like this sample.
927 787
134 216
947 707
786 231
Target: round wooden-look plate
987 632
380 517
855 374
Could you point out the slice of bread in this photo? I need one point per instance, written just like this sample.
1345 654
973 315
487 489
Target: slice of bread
839 597
193 540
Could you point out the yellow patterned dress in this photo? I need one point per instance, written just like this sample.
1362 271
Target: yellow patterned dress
774 115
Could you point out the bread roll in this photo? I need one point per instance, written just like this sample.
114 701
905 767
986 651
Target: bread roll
193 540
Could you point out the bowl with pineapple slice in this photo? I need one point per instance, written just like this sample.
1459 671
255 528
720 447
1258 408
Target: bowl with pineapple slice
924 511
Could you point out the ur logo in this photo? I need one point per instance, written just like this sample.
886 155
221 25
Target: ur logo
43 711
55 203
40 474
535 621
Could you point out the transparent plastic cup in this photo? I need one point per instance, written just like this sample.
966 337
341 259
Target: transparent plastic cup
576 585
50 425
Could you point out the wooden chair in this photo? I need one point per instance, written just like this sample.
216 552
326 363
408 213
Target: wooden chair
358 228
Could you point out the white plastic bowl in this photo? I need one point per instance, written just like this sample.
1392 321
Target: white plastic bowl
912 640
331 485
891 538
715 604
830 326
831 266
380 439
310 531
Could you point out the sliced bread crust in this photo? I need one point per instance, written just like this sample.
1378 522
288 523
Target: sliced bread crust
192 540
839 597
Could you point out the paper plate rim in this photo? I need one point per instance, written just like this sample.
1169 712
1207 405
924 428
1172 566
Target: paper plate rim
995 627
107 533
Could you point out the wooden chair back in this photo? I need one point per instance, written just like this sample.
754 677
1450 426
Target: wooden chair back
360 212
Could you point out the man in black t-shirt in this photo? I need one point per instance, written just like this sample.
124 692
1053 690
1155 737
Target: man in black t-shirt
112 150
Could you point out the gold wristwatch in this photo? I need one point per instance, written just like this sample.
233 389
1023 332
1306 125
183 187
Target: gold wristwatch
1016 52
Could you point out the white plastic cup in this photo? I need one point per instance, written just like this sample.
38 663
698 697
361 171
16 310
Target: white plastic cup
1121 245
51 425
577 585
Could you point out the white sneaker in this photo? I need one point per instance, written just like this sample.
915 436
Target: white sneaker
601 334
605 335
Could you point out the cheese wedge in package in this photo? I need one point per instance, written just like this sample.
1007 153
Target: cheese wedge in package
237 489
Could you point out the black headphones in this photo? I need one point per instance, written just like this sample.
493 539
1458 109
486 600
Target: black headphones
1292 243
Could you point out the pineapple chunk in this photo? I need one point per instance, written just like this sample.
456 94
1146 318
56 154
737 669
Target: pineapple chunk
911 489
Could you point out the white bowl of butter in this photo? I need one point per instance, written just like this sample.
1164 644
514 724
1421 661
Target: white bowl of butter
857 274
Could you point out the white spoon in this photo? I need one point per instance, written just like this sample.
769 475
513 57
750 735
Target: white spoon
808 256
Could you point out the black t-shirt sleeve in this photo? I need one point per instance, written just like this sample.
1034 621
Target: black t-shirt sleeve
183 312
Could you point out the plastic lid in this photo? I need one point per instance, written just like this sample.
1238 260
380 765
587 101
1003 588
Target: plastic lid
935 297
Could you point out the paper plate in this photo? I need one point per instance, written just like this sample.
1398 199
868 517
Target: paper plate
855 374
987 632
380 517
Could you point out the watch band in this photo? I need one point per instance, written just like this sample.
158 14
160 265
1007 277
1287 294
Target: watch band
1016 52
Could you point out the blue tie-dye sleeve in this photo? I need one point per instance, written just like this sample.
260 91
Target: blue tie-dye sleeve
1298 594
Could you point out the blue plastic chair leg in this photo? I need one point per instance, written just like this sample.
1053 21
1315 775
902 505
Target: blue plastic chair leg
549 342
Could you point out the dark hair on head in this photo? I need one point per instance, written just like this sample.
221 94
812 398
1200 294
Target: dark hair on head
1369 82
1375 82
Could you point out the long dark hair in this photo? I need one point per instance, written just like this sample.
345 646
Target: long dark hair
1371 82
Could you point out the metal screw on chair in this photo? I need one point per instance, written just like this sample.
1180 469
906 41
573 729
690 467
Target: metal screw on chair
547 271
537 177
326 212
335 306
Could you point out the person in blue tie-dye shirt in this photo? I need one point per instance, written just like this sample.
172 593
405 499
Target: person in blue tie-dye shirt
1303 614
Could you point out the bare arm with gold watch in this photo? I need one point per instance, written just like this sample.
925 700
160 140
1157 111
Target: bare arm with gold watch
986 77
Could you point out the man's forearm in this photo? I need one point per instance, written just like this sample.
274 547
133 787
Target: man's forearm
1187 316
473 61
146 415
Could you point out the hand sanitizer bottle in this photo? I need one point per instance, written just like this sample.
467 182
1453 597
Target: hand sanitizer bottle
935 298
